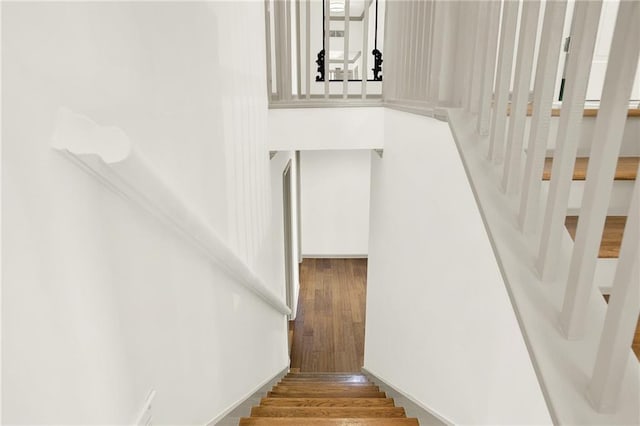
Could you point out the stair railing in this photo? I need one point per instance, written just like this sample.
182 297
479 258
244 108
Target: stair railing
476 65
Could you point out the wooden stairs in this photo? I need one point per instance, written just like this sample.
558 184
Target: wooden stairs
319 399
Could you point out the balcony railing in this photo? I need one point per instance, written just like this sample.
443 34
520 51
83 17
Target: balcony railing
324 52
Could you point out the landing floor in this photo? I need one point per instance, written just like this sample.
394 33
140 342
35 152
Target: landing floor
329 329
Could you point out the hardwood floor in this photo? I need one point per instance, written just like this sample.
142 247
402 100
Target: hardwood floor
328 332
611 235
626 169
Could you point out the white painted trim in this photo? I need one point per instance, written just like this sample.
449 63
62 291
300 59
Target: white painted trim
248 395
126 172
418 405
329 103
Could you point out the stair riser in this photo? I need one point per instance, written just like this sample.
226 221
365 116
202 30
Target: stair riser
282 421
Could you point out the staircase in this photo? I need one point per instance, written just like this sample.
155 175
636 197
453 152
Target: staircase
327 399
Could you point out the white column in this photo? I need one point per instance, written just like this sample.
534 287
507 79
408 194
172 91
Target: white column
503 79
586 16
518 114
622 316
488 70
546 71
605 148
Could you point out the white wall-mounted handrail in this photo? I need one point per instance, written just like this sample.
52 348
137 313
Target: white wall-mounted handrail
106 153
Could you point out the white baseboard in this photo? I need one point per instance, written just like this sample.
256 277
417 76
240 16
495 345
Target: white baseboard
238 403
413 407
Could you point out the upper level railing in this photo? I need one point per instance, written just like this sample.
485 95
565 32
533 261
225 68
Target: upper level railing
326 52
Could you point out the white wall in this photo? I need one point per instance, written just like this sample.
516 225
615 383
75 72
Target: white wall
335 202
440 326
101 302
326 128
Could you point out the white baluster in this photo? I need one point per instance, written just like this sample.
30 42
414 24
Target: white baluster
488 70
327 47
503 79
605 148
365 48
421 27
309 70
345 62
470 23
622 316
479 55
287 52
586 16
406 56
546 71
267 35
436 46
518 114
298 54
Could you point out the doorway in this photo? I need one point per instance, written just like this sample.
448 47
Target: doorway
288 232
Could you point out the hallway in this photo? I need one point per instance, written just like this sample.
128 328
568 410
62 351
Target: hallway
329 329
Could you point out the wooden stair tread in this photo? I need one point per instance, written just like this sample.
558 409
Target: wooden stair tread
327 394
324 374
322 381
626 169
327 412
327 402
313 421
587 112
593 112
332 386
611 234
